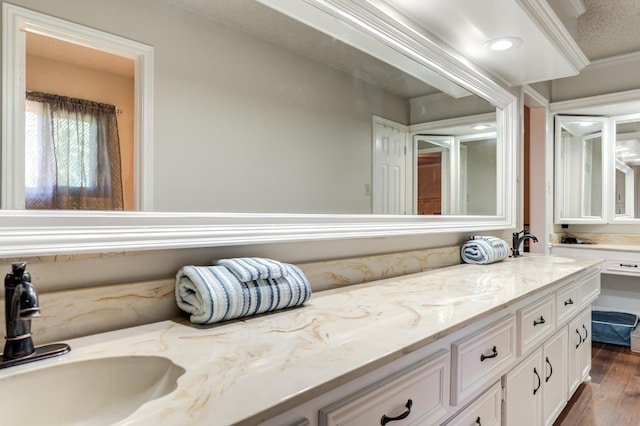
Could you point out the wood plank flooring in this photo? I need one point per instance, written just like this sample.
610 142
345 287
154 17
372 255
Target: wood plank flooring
612 398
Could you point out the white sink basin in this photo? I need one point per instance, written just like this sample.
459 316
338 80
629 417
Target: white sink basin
99 391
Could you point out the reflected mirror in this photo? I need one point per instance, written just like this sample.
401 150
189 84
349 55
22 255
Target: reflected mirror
580 165
457 166
255 112
627 166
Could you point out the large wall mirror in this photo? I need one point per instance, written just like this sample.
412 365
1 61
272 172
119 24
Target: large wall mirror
597 177
581 165
264 122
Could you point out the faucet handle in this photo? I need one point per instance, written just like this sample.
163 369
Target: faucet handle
18 274
18 268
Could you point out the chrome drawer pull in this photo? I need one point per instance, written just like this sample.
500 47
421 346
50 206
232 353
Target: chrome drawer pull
384 420
568 302
628 265
539 381
542 321
493 355
546 379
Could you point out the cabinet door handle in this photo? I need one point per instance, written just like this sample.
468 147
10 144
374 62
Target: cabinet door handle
541 321
579 338
568 302
478 421
628 265
586 333
546 379
539 381
384 420
493 355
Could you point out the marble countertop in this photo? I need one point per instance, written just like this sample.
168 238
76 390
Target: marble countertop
244 371
633 248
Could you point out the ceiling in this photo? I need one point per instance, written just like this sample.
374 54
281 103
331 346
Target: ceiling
609 28
560 37
59 50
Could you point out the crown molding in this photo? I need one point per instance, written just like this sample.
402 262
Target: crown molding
549 23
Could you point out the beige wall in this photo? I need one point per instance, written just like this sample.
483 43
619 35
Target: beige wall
60 78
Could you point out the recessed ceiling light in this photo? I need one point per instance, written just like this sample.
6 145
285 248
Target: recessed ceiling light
480 126
503 43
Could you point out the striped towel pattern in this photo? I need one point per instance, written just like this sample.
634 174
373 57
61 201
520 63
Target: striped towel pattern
213 293
254 268
484 250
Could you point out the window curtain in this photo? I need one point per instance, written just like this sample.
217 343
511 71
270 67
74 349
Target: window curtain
72 154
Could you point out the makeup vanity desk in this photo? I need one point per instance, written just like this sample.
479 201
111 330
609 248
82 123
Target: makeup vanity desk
620 266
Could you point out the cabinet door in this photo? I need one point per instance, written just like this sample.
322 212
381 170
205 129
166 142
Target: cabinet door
523 392
574 366
554 385
585 347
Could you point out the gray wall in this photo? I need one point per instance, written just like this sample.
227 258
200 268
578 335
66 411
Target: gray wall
242 125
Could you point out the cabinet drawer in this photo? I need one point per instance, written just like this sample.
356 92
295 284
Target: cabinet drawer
485 411
568 302
624 267
420 390
590 289
481 358
536 322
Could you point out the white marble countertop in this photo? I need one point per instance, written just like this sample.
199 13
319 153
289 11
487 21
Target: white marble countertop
633 248
240 372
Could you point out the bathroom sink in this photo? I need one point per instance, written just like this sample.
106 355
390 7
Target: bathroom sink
98 391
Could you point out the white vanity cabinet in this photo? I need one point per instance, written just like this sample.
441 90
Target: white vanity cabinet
516 366
536 390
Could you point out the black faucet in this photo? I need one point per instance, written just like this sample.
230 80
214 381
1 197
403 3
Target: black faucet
517 241
20 305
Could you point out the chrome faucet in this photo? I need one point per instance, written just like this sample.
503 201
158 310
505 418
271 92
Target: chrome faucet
517 241
20 305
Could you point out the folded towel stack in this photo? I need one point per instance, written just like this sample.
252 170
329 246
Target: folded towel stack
235 288
484 250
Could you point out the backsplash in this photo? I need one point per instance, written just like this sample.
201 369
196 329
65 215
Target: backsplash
88 310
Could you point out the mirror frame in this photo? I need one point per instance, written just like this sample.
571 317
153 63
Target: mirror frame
371 26
560 192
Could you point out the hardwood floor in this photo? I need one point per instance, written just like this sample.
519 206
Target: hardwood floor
612 398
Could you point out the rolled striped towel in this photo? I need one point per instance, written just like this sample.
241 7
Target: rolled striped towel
484 250
213 293
254 268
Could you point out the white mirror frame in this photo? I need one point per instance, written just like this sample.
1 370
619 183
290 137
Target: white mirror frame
561 193
370 26
619 106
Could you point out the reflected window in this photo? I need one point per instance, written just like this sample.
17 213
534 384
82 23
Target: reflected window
72 154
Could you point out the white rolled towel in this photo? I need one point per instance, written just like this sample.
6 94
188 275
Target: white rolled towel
213 293
484 250
254 268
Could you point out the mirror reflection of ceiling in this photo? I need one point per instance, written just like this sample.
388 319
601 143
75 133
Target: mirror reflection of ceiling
254 18
52 48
